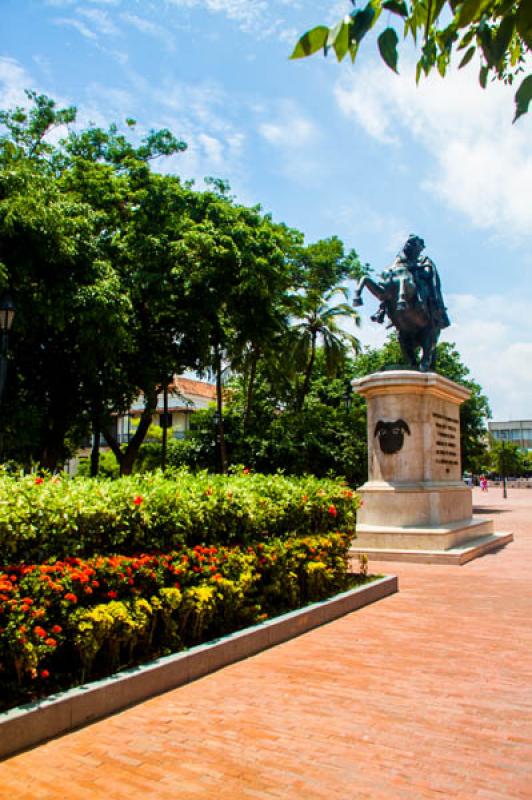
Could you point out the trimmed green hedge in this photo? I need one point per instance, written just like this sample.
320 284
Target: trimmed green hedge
42 518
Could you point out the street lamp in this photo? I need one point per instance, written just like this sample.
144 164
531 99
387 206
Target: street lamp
7 314
348 396
504 470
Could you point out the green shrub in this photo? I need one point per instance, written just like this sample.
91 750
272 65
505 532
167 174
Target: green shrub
41 518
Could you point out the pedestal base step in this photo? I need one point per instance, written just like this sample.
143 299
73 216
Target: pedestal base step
411 537
458 555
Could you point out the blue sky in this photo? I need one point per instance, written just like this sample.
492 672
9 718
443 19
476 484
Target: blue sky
327 148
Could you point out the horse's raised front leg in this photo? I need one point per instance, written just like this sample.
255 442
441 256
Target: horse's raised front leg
357 299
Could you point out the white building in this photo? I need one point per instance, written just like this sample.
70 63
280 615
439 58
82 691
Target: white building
517 432
185 396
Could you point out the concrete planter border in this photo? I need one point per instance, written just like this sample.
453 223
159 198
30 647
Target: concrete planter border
32 724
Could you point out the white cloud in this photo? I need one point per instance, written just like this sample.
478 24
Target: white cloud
100 19
481 164
248 13
494 337
287 127
151 28
80 26
13 81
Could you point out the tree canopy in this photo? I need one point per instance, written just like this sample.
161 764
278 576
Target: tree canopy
499 31
123 277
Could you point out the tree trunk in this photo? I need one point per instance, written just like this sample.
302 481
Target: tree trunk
219 409
53 451
126 458
250 390
308 374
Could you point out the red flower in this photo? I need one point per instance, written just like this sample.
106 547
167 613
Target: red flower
45 674
332 511
112 594
40 631
57 629
39 480
138 500
246 471
71 597
51 642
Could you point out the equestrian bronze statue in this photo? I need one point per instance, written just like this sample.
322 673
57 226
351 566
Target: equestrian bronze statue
410 296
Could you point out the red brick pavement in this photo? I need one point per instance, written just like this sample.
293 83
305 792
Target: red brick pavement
426 694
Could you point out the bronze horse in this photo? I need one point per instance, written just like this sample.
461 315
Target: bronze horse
410 295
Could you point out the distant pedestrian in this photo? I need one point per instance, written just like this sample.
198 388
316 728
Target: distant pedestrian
483 483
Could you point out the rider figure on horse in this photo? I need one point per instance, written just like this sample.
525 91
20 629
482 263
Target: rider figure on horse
410 295
426 280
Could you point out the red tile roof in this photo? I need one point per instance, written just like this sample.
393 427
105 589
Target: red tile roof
188 386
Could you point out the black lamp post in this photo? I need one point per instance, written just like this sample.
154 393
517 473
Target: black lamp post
504 466
7 313
348 396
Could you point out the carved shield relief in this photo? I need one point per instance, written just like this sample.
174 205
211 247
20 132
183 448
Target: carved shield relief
391 435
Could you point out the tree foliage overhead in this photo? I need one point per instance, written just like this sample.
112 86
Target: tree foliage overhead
500 31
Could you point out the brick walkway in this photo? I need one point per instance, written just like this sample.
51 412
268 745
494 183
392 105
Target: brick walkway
427 694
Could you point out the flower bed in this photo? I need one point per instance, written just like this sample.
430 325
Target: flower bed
67 621
42 518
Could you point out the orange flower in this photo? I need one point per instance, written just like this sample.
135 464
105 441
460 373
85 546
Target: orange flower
40 631
51 642
71 597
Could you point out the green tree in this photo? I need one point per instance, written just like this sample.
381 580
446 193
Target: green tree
326 437
499 31
239 270
316 322
66 237
319 323
506 459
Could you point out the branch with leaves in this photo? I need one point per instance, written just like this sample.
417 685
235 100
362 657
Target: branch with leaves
500 31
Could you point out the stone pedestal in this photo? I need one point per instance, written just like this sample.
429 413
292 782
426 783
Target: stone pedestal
415 503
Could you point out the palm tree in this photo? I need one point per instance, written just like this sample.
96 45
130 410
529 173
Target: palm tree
318 323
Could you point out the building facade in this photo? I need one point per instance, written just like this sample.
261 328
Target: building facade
185 396
517 432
